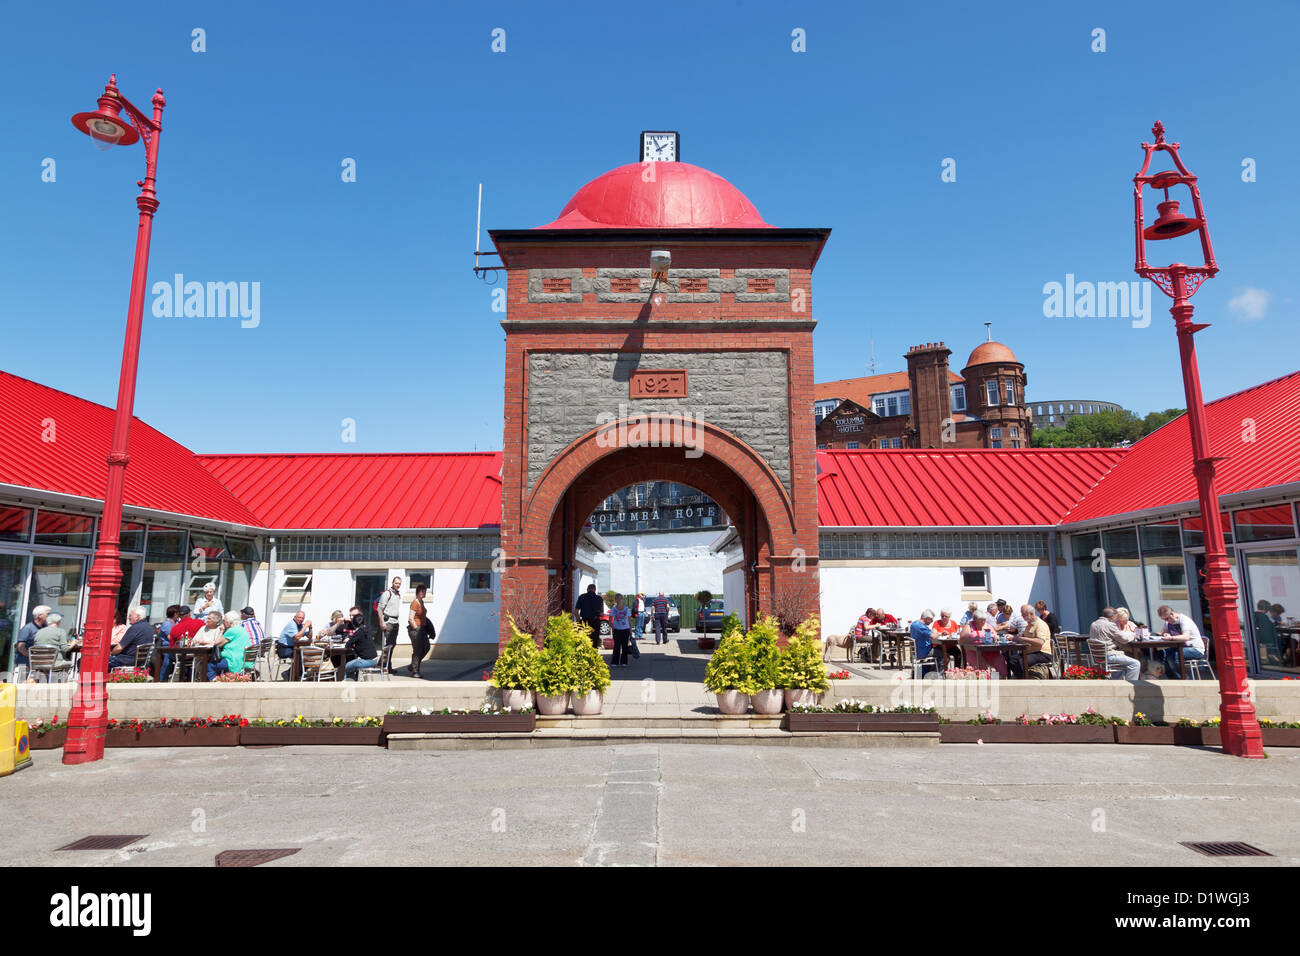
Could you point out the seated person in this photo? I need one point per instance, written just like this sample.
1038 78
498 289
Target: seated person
971 608
183 630
945 625
232 643
1037 637
139 633
865 623
1105 630
52 634
1009 623
335 627
1053 625
28 633
883 618
173 615
1183 628
921 633
297 631
980 631
360 647
212 631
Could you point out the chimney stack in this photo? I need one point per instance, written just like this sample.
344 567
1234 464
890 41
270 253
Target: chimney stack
927 376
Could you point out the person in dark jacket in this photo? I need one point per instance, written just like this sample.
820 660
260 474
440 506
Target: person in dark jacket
360 647
1053 625
589 609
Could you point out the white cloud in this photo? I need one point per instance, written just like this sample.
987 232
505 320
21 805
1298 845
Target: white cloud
1250 304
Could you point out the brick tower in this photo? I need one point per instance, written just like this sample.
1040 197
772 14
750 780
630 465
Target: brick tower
697 371
927 375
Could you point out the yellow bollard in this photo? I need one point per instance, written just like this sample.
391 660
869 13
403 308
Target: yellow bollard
9 729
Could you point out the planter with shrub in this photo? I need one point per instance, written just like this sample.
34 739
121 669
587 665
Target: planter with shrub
515 670
803 674
728 674
358 731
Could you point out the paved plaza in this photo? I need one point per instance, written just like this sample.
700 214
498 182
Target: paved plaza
659 804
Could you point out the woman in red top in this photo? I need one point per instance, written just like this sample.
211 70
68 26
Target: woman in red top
945 625
976 632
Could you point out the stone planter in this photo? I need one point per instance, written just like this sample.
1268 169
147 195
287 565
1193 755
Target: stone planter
291 736
589 704
513 698
1270 736
733 702
801 696
860 723
1182 736
50 740
173 737
552 706
608 642
1019 734
460 723
768 701
705 643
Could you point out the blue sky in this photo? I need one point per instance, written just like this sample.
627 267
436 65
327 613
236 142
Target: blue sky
368 307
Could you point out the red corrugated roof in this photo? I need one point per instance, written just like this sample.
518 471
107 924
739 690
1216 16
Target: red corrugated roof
327 492
162 475
971 487
1255 431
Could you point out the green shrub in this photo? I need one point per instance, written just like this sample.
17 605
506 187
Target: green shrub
730 667
703 597
801 661
590 672
764 648
557 661
610 597
516 668
731 623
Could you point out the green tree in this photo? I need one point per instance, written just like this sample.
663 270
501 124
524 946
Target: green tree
1156 420
1104 429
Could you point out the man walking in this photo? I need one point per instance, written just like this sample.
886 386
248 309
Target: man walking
390 608
661 618
589 609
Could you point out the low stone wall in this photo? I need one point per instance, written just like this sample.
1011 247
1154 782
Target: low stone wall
1166 700
270 701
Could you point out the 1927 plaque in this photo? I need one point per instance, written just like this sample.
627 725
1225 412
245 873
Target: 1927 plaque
658 383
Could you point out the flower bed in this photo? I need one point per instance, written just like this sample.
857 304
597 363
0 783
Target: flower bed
360 731
136 675
487 720
1089 727
47 734
858 716
1084 672
194 732
970 673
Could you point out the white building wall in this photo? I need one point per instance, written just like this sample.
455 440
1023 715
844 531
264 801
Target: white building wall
733 593
905 590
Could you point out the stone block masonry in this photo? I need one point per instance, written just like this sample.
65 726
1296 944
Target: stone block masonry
744 392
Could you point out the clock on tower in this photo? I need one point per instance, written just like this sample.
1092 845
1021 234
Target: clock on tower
660 146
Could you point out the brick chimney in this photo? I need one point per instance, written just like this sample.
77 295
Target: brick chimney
927 375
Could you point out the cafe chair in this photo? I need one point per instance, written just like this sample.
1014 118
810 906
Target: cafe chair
380 670
265 649
252 656
45 658
143 655
1062 639
315 665
1193 669
1097 652
918 666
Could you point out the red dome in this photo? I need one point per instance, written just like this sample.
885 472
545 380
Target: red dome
681 196
990 352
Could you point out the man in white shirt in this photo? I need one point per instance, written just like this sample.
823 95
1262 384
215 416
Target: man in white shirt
1180 627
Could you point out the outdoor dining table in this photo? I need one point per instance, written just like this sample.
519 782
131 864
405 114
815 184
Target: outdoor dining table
200 653
897 638
1160 643
945 643
1005 648
337 653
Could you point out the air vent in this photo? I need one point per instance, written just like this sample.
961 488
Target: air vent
253 857
105 841
1225 849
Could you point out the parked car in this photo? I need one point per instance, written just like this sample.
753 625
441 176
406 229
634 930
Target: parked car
710 617
674 622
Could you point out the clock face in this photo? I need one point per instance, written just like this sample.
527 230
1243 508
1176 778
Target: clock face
658 147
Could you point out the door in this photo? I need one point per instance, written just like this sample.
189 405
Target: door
13 580
56 582
369 587
1273 599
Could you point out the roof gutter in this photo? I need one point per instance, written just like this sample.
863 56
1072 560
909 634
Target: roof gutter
95 507
1273 494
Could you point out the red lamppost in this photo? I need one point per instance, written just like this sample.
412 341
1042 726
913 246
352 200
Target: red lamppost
1238 725
89 714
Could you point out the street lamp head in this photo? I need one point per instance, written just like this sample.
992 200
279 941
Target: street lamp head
105 125
1170 223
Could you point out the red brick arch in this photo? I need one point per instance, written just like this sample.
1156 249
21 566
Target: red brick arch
724 470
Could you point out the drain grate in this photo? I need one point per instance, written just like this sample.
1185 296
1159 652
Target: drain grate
253 857
1225 849
105 841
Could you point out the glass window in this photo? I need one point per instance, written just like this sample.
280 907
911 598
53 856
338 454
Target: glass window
160 586
1273 578
68 531
296 588
13 577
236 581
478 582
1264 524
905 403
1124 583
165 543
959 398
851 444
242 549
57 582
991 390
15 524
878 406
975 579
1089 585
1011 391
995 432
1194 530
996 444
1015 431
132 537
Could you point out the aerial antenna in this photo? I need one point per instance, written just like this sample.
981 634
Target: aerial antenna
872 364
988 331
482 271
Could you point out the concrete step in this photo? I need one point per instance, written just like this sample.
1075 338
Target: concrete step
606 737
667 721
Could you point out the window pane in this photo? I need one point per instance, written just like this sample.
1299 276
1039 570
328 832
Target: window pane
132 536
242 549
1274 581
165 543
1161 538
1264 524
1088 585
1125 586
1194 530
160 586
70 531
15 524
56 582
